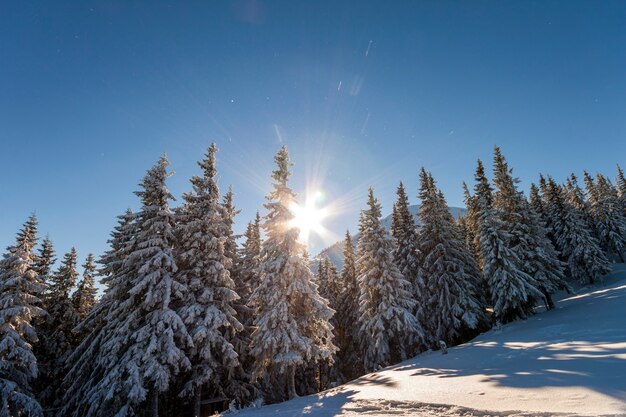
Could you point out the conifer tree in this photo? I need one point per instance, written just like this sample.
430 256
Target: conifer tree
87 363
479 203
469 222
248 280
451 307
576 199
44 261
620 184
404 232
534 199
347 336
291 318
388 330
203 228
20 289
58 339
580 250
250 259
513 292
538 257
84 298
145 340
330 288
230 245
609 221
62 312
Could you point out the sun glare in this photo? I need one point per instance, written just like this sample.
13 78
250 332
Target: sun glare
308 217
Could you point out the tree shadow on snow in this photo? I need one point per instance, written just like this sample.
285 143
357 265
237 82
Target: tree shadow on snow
573 346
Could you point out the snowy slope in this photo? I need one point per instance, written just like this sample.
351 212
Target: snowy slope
568 361
335 251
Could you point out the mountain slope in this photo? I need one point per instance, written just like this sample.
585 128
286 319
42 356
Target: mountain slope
568 361
335 251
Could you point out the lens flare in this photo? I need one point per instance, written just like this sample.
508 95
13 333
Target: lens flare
308 218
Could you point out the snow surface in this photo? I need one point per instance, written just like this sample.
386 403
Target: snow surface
568 361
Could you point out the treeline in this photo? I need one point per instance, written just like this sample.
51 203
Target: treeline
189 317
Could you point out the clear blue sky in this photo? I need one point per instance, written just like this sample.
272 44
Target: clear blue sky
362 92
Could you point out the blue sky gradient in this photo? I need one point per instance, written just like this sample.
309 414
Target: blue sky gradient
363 93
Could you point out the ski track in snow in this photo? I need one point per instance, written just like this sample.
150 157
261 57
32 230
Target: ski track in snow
570 361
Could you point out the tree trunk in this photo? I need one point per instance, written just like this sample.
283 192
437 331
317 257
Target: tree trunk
196 403
154 407
291 381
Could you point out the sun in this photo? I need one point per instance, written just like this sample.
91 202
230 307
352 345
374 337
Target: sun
308 218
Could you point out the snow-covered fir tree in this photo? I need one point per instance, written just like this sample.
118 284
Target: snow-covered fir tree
230 245
451 309
542 259
84 298
404 233
512 292
61 309
291 318
20 289
250 258
388 330
528 236
89 360
477 204
203 269
330 287
608 218
148 342
534 199
575 197
44 261
580 250
620 185
469 222
58 339
347 334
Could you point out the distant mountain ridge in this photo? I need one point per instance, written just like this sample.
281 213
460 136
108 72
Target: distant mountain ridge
335 251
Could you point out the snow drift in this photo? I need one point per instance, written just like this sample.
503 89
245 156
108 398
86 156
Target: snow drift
568 361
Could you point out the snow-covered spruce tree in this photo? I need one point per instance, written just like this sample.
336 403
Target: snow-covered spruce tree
347 336
620 185
451 309
146 349
404 232
511 290
330 287
469 222
44 261
89 361
62 312
481 200
230 245
388 330
608 218
58 339
585 260
20 289
207 308
527 233
576 199
84 298
291 318
543 262
534 199
250 259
